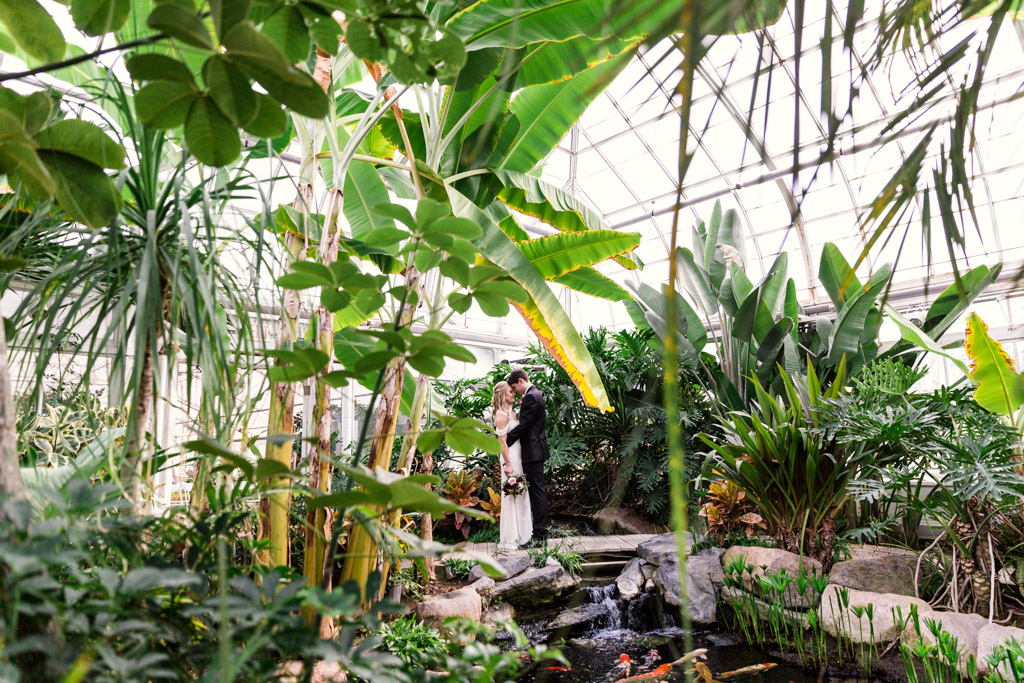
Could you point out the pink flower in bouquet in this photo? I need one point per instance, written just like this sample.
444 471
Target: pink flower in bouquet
514 485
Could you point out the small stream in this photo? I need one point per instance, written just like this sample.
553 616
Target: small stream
645 631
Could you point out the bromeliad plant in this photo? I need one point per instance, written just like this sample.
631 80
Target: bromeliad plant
798 480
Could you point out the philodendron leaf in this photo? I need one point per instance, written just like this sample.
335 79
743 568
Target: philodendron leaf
1000 387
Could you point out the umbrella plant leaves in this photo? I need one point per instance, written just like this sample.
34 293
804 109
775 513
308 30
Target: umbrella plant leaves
180 23
211 137
164 104
270 120
157 67
99 17
230 90
84 140
82 188
33 29
287 28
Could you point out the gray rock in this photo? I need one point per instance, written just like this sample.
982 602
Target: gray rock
514 565
876 574
701 594
990 637
839 621
482 585
649 584
631 579
464 602
578 619
535 588
323 672
662 548
963 627
500 612
765 561
623 521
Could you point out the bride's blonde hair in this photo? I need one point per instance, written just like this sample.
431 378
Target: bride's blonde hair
498 398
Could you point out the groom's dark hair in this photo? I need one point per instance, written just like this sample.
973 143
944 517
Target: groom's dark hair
516 375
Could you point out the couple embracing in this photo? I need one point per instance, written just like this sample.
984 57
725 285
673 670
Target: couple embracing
524 448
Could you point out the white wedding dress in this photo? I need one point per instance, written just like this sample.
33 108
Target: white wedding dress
516 521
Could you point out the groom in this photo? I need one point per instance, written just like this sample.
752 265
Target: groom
531 434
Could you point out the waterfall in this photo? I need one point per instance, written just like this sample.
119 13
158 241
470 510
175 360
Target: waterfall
605 596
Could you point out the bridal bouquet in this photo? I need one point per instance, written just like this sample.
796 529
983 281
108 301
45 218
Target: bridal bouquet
514 485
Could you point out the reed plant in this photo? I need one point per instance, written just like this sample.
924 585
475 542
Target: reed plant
939 655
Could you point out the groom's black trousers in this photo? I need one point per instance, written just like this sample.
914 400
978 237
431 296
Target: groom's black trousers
534 472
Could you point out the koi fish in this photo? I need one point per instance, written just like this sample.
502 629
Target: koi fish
749 670
557 668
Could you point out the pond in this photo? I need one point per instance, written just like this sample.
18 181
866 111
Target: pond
594 656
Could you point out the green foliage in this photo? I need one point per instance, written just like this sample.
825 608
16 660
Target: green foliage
798 478
459 567
419 646
561 552
59 159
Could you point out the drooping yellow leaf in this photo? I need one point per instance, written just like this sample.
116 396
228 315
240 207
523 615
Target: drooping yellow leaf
1000 387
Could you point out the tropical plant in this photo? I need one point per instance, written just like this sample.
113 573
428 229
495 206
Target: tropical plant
459 488
728 513
459 567
418 645
798 479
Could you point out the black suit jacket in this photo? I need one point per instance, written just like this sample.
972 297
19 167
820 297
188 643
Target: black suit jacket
531 430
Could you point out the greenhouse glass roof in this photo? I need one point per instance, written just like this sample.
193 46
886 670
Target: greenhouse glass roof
622 157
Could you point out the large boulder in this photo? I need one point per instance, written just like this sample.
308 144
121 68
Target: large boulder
464 602
663 547
514 565
839 616
964 627
323 672
768 561
992 636
703 573
633 577
575 620
623 521
535 588
876 574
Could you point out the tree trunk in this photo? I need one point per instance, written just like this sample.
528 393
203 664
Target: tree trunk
11 486
361 556
274 507
427 520
318 521
131 477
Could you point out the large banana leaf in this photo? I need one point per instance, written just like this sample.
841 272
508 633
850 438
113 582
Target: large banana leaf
553 62
697 284
517 23
544 201
1000 387
543 313
561 253
590 281
547 112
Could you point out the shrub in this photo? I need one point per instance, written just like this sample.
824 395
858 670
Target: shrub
418 645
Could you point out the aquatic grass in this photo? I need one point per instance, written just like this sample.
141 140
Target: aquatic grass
1007 658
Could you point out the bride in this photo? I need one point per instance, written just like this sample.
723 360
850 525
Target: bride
516 521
